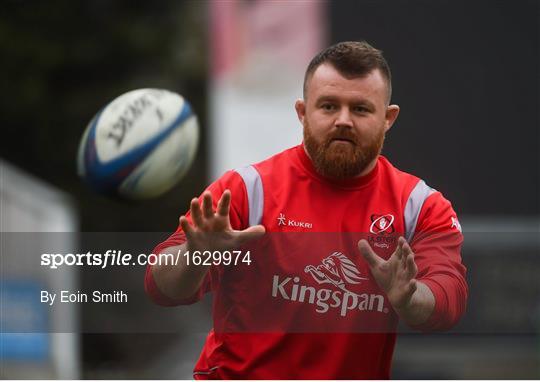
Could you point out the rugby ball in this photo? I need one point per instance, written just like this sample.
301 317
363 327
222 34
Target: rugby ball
139 145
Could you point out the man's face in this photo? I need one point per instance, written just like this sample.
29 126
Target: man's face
345 121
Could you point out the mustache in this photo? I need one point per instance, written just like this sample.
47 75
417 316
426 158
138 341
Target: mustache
345 135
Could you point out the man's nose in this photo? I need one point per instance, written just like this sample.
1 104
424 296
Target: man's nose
344 118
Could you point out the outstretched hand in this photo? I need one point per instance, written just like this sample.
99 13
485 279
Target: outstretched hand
396 276
211 229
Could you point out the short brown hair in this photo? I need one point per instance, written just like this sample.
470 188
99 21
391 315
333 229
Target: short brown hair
351 59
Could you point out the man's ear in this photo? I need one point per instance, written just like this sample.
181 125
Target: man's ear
392 112
300 107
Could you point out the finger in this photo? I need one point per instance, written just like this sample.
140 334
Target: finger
255 230
186 227
208 210
250 233
371 257
409 290
399 248
406 248
404 254
196 213
406 251
224 203
412 269
413 286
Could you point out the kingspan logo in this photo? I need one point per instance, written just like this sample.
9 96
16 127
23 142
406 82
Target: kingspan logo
337 270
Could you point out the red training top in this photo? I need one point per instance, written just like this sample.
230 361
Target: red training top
307 306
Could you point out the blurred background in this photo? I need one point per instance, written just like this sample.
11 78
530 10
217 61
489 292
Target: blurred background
465 73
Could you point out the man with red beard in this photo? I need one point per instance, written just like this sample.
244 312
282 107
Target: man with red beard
396 256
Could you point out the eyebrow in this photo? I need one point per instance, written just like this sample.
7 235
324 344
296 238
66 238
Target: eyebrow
327 98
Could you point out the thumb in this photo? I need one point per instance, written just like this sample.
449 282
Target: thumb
250 233
255 230
371 257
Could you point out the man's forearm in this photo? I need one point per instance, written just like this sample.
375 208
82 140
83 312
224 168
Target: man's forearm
419 308
178 281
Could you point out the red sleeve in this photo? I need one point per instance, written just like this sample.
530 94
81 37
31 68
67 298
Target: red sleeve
239 220
437 247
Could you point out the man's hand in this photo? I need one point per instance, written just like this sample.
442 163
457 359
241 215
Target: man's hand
411 299
396 275
211 230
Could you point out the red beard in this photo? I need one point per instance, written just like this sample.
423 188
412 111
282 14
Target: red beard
342 160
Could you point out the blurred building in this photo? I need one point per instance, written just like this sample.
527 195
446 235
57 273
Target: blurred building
33 343
465 75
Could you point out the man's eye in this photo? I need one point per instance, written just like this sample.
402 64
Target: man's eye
327 106
360 109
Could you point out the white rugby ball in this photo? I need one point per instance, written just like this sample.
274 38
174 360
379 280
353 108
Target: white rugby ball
139 145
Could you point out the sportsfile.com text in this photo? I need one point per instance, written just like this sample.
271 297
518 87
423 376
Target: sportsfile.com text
118 258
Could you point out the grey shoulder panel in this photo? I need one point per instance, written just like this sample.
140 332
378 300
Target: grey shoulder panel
416 200
255 193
